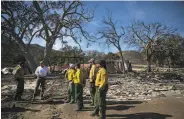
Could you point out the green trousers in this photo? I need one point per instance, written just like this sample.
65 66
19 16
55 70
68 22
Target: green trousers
100 101
20 89
92 91
71 92
79 95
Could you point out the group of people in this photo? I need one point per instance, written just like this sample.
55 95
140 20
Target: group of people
76 82
41 72
98 86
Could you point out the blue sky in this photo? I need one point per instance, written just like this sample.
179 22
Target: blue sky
168 13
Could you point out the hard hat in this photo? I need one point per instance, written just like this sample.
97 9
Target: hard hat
71 65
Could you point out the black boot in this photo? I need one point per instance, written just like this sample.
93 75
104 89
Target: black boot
13 105
16 97
41 98
92 104
33 97
67 101
78 109
94 114
19 98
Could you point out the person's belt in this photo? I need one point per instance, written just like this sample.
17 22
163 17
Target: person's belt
42 77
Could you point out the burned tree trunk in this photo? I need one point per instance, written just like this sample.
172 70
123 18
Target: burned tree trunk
122 59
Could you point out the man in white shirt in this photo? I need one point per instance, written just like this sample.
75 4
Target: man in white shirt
41 73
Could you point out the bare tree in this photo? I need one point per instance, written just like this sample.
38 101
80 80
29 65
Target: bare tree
145 36
16 18
46 20
66 21
112 36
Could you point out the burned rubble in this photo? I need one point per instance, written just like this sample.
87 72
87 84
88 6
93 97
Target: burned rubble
121 87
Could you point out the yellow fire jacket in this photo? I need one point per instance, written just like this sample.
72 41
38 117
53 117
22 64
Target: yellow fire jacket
70 74
93 72
78 77
101 78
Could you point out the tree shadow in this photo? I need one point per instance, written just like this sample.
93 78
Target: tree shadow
119 107
115 105
49 102
17 109
123 102
116 102
145 115
43 102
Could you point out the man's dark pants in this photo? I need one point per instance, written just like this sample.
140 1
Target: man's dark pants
40 82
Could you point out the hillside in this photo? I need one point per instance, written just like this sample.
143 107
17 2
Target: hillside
37 50
133 56
11 54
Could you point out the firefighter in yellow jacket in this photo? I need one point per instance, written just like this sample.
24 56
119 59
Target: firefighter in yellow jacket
70 75
79 84
101 84
92 77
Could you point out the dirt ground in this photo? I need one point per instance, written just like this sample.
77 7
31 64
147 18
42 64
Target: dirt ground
53 107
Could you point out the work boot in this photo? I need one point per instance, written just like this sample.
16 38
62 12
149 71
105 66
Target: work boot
72 102
92 104
67 101
41 98
34 95
13 106
16 97
33 99
93 114
82 106
101 117
78 109
19 98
